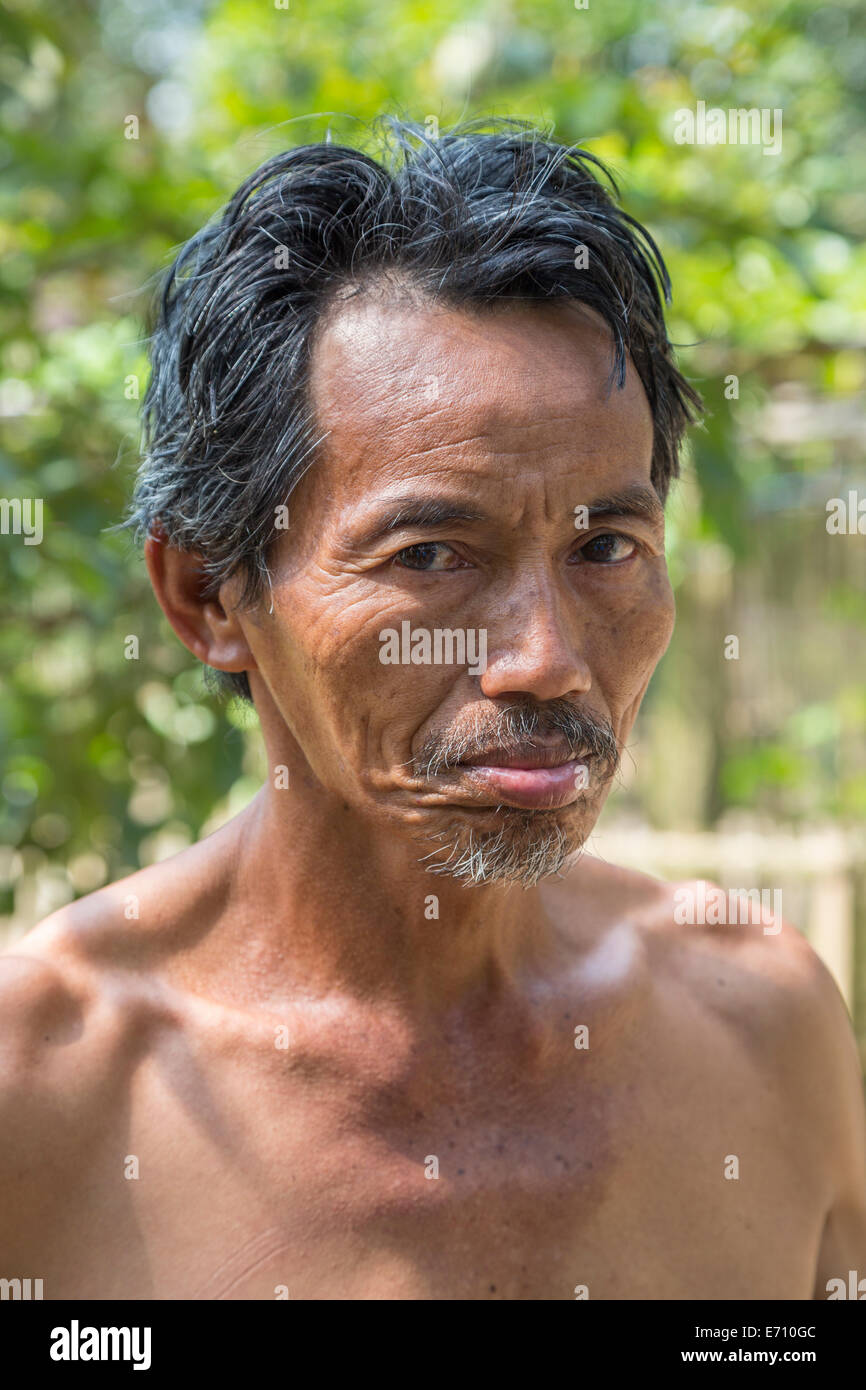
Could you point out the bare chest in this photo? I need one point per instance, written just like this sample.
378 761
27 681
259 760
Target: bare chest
225 1185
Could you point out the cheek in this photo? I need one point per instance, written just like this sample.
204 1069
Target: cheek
632 641
321 652
653 619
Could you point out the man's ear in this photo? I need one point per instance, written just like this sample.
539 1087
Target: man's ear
210 631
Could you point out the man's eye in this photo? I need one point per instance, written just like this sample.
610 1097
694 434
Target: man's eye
607 549
430 555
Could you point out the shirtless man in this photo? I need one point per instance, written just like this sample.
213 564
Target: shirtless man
292 1060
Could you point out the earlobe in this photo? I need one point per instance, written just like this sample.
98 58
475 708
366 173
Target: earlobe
210 631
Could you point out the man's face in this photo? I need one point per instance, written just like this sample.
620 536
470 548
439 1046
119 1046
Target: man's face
459 486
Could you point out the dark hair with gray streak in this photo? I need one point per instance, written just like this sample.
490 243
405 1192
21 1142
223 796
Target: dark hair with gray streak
474 217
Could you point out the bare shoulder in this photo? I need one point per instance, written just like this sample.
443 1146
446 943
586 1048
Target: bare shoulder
79 992
737 990
58 1013
732 949
722 961
735 951
58 1041
755 976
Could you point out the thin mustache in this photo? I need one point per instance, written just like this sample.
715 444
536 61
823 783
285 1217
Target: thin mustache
515 729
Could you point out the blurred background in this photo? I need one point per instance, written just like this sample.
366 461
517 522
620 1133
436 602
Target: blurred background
126 125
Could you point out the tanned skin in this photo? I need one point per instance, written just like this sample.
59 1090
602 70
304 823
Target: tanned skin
284 1040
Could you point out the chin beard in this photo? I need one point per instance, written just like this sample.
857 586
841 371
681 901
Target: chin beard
525 849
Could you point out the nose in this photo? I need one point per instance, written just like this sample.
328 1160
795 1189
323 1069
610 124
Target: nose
536 648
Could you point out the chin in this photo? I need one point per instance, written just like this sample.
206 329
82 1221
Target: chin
509 845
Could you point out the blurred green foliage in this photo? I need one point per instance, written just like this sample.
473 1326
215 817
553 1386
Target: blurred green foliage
110 761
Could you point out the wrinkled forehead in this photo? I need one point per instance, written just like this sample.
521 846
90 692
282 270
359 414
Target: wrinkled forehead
399 381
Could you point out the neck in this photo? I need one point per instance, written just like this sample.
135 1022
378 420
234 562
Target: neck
327 903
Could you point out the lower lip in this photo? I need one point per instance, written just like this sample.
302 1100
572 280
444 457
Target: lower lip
532 787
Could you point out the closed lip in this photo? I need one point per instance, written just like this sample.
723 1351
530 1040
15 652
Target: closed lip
523 758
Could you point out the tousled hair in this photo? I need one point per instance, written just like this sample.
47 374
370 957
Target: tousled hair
470 218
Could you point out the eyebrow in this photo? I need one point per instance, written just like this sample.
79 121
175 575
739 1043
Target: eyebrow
431 513
639 501
416 514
